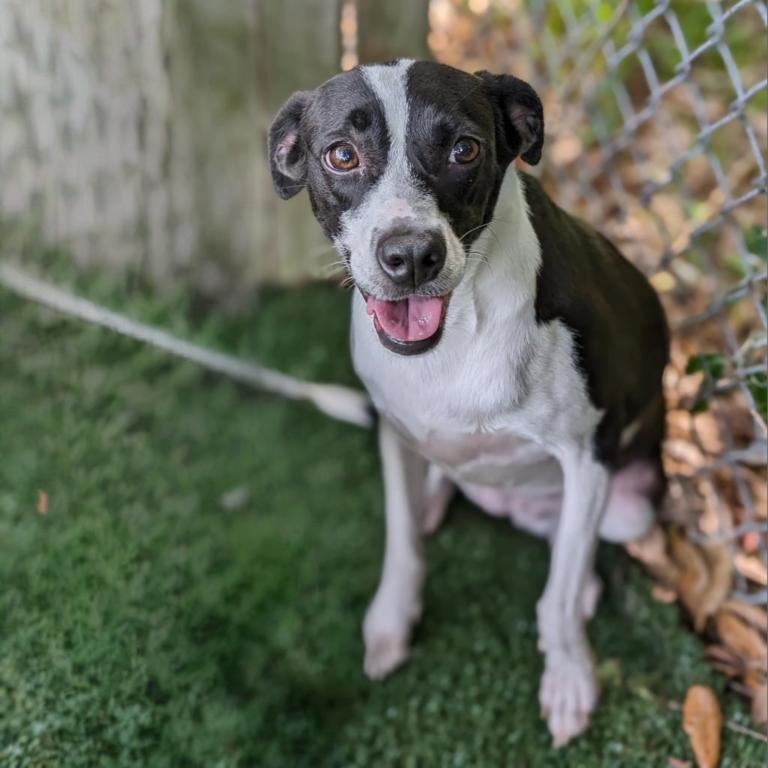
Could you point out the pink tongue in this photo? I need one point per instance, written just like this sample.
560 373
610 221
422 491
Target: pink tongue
411 319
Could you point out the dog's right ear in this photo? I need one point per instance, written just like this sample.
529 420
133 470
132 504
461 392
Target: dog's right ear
287 153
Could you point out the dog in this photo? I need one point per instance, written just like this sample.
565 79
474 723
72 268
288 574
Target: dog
509 349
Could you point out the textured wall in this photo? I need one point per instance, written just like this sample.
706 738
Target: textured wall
134 132
85 105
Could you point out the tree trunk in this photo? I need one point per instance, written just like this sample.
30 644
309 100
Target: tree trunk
392 29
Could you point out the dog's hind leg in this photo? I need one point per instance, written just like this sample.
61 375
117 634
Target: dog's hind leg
630 512
396 607
440 489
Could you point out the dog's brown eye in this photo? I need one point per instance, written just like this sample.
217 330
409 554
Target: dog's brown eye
342 157
465 151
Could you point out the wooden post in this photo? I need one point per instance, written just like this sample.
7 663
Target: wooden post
297 47
233 63
392 29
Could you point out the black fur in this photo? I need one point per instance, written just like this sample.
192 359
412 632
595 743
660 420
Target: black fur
446 104
618 322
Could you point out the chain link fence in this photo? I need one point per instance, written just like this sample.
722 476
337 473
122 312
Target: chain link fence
657 135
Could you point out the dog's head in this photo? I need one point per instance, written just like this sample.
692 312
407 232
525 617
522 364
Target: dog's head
403 163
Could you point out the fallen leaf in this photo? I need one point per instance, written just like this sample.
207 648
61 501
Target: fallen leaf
663 594
752 568
755 615
724 660
703 721
652 551
743 640
663 281
720 563
42 502
751 541
705 580
760 704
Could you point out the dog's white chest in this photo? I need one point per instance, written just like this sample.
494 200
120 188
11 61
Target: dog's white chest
466 408
501 460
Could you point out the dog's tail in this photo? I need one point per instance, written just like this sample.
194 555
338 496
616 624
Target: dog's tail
338 402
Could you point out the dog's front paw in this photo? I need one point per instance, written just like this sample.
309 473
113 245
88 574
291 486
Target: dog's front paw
384 655
387 632
568 694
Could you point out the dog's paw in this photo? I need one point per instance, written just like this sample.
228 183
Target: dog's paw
568 694
384 654
387 632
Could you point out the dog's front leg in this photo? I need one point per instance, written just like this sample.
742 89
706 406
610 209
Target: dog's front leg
568 691
397 603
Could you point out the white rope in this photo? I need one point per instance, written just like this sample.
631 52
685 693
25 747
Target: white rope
342 403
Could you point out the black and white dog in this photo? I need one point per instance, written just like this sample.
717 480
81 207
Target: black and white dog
509 349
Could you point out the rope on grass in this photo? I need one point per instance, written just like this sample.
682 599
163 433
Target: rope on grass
338 402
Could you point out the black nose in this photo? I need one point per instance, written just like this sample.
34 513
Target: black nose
411 258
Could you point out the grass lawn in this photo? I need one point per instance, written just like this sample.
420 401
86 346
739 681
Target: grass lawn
142 623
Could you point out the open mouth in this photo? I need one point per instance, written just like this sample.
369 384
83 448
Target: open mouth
409 326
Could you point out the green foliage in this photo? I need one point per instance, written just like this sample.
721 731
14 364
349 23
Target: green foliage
756 239
712 365
142 624
758 388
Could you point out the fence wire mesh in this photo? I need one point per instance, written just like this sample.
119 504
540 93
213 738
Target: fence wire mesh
658 137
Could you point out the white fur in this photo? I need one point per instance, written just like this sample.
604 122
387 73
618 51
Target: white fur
397 604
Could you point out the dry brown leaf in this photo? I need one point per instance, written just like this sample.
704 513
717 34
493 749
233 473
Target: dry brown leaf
42 502
720 564
755 615
652 551
703 721
725 660
743 640
663 594
751 541
705 580
760 704
752 568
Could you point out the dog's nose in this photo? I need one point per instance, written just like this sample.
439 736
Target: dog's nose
412 258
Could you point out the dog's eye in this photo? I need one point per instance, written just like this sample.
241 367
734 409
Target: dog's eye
342 157
465 151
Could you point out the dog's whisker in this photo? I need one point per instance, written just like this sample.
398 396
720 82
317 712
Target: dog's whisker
474 229
486 224
334 266
482 260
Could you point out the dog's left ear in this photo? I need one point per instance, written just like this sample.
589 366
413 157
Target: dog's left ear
287 155
521 113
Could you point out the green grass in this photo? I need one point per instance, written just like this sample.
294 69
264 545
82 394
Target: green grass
142 624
